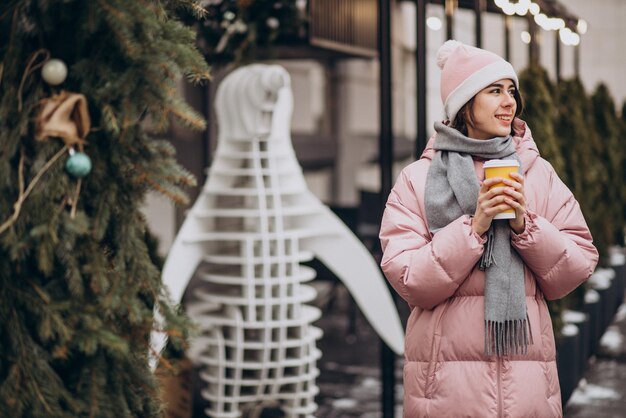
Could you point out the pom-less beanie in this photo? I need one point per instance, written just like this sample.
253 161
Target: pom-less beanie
466 70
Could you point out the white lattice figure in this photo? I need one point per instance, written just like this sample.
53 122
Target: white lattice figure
253 224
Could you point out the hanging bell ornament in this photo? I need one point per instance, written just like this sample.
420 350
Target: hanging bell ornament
54 72
79 164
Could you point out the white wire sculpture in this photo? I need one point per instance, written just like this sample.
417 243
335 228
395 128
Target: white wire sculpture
245 237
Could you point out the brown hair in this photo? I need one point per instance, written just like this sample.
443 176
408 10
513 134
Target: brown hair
464 116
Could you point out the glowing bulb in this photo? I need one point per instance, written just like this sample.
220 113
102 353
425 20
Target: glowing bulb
541 20
525 37
565 35
559 23
433 23
534 9
554 23
582 26
501 3
520 9
509 9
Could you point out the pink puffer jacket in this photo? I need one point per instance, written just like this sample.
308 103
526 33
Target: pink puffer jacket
446 373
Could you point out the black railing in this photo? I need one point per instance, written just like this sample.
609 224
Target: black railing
348 26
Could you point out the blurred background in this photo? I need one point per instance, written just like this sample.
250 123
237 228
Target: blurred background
93 92
366 94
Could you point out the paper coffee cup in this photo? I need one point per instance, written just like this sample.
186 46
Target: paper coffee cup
501 168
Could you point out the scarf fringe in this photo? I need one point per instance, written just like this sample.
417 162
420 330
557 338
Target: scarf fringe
487 259
508 337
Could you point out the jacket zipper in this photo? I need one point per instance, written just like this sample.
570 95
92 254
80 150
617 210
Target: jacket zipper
499 371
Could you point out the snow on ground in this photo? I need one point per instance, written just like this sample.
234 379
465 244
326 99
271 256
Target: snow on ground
587 393
612 340
621 314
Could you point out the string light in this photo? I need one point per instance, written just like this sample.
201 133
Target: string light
541 20
568 37
522 7
509 9
559 23
534 9
433 23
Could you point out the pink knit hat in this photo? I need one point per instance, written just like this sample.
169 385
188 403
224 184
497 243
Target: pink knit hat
466 70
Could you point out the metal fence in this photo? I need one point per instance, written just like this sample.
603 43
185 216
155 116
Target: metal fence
348 26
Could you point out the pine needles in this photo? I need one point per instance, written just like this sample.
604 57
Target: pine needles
79 278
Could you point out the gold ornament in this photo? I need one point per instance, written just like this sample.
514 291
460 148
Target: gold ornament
65 116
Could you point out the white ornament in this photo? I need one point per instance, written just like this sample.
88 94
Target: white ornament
54 72
244 239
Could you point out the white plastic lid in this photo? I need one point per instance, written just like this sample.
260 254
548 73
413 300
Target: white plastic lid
500 163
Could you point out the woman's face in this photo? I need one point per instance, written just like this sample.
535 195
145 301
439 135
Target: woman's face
493 111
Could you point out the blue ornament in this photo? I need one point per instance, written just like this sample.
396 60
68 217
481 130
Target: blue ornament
78 165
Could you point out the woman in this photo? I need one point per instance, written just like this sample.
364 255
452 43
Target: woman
479 340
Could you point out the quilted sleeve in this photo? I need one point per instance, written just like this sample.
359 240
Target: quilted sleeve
557 245
424 271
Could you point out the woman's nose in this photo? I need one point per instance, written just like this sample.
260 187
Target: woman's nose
509 100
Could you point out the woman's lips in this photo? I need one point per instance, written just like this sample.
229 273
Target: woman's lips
505 119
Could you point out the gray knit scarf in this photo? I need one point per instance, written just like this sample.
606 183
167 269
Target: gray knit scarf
452 191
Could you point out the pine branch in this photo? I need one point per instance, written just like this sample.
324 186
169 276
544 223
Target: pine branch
78 279
23 194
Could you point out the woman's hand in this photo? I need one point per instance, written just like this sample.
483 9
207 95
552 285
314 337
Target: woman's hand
516 199
490 203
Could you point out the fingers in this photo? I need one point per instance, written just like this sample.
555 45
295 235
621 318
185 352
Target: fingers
517 182
489 194
509 194
517 176
515 198
513 193
494 204
515 189
487 183
519 207
486 191
494 210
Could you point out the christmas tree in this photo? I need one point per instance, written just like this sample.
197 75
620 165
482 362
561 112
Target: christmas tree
583 150
607 126
622 121
86 87
540 114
